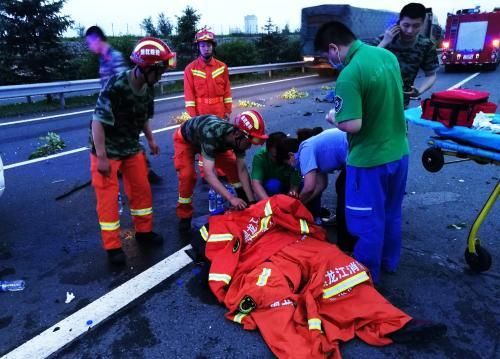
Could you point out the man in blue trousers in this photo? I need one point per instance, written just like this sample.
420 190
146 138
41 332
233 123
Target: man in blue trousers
369 106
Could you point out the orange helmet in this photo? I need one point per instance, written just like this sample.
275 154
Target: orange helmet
204 35
151 51
252 124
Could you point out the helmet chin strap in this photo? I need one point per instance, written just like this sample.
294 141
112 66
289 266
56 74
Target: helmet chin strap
145 74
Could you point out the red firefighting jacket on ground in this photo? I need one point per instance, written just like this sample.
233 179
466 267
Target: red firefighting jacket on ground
273 269
207 90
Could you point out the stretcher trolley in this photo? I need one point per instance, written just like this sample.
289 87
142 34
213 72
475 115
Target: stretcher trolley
481 146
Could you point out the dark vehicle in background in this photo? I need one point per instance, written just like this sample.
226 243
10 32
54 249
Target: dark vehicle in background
366 24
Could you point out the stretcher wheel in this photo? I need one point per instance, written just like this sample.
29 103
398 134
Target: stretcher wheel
479 261
433 159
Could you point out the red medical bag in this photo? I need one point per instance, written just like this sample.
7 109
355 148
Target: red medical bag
456 107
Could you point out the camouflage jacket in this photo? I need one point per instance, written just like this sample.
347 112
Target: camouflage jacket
123 113
110 64
421 55
208 133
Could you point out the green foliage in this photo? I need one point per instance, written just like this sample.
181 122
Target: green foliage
165 27
30 46
186 29
237 53
53 143
148 27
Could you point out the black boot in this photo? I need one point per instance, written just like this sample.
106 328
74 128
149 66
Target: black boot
185 225
149 238
116 256
153 177
419 331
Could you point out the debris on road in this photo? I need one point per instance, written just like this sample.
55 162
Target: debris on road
307 113
183 117
248 103
53 143
57 181
293 94
12 285
460 225
69 297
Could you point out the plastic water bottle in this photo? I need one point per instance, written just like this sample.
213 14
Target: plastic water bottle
212 201
120 204
11 286
220 204
232 191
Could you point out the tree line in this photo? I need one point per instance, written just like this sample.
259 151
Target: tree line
32 47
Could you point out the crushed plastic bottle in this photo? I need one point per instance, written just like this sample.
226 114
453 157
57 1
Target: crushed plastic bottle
12 285
120 204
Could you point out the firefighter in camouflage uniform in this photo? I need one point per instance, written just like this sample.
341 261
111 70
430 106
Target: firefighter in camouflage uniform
413 50
123 110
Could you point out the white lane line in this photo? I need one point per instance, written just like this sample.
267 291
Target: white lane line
457 85
157 100
78 323
14 165
81 149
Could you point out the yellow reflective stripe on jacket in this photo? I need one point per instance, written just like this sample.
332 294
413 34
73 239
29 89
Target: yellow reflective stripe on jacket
267 209
224 237
190 104
198 73
200 163
263 277
141 212
238 318
344 285
218 72
204 233
264 223
314 324
184 200
110 226
304 228
217 277
228 100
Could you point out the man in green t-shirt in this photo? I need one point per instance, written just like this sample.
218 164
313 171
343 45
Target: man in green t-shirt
369 107
268 176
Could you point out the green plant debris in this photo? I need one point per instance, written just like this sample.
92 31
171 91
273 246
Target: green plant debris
183 117
248 103
53 143
293 94
327 88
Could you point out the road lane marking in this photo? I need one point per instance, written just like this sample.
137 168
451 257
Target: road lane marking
78 323
81 149
156 100
14 165
463 81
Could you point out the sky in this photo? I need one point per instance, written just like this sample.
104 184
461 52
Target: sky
124 16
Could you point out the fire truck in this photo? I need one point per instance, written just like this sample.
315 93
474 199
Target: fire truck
472 38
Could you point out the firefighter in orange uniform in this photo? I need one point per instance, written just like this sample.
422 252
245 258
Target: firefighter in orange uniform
207 90
123 110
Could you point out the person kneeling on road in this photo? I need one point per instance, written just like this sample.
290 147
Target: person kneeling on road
123 110
316 157
222 145
270 177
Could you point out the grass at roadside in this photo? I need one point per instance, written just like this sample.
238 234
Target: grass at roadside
73 102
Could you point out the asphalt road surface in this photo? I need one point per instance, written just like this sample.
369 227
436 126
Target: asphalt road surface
56 248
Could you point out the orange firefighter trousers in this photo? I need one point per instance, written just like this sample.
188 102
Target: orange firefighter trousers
135 180
184 154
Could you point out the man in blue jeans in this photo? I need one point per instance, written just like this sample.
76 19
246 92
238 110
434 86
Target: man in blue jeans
369 107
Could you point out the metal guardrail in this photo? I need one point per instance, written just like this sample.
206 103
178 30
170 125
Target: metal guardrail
62 87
